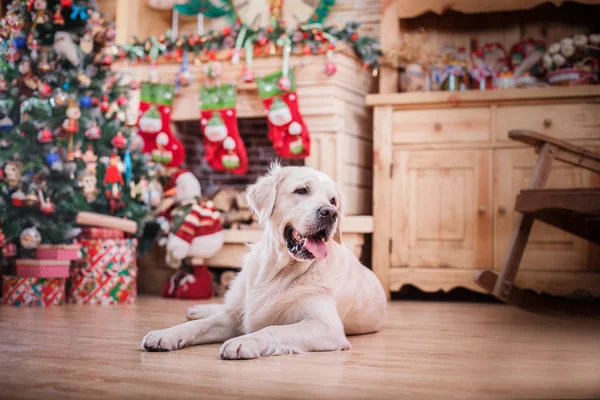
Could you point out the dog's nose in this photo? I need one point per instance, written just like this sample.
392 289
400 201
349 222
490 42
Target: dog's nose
327 212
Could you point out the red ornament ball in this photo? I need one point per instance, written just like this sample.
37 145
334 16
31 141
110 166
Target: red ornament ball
66 3
48 208
119 141
306 49
45 136
226 31
329 68
122 100
353 37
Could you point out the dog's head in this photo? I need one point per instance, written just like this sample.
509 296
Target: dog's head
303 208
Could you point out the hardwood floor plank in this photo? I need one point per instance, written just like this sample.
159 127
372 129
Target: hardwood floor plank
426 350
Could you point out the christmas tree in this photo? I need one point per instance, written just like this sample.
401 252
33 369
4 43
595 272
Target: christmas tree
66 144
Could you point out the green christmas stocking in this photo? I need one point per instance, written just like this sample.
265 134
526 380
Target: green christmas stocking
224 148
154 125
287 130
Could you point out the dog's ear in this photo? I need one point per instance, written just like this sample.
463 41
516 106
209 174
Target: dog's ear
337 236
262 195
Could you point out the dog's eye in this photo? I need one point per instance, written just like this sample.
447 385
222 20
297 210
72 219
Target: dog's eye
301 190
332 201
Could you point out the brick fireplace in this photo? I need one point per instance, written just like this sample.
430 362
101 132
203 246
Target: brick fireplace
341 132
258 147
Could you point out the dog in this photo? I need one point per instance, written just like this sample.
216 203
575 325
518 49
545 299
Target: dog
300 289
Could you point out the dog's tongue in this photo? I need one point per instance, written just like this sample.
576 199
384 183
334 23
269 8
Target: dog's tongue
318 248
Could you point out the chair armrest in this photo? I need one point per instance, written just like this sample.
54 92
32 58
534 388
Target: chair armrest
566 152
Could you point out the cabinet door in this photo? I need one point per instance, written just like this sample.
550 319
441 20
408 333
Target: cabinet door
548 248
441 209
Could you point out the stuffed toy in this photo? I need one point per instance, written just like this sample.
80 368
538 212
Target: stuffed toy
194 233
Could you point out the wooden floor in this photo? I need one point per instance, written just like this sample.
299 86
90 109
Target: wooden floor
426 350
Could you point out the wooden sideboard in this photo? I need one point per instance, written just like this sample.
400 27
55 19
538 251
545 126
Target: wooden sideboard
445 180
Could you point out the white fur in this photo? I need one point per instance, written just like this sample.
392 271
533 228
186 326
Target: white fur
280 305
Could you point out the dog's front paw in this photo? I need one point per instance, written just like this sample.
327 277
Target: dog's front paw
164 340
246 348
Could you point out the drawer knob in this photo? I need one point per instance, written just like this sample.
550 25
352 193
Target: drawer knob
547 122
502 210
437 126
482 210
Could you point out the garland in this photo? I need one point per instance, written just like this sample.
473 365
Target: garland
227 44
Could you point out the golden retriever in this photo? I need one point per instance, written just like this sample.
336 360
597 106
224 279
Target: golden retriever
300 289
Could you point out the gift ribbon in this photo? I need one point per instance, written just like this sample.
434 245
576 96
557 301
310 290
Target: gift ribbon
78 11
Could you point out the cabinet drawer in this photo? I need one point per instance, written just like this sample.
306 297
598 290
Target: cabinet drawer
443 125
562 121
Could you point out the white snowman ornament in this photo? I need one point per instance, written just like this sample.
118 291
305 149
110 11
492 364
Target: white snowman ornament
279 113
215 129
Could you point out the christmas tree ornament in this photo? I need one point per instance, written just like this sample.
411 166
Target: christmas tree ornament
13 173
113 183
224 148
47 207
6 124
33 45
284 83
44 90
85 101
128 167
122 101
57 18
286 125
66 3
71 123
137 142
78 12
41 16
30 238
119 141
61 98
3 85
89 185
32 200
104 105
65 49
53 161
45 135
84 80
18 198
90 159
329 68
12 55
93 132
86 44
131 117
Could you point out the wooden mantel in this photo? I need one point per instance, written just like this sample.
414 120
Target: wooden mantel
333 108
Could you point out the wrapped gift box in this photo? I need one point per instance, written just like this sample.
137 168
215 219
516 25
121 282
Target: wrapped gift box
102 233
32 291
107 273
63 252
43 268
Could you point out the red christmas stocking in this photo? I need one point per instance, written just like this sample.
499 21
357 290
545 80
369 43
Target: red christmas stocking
156 101
287 130
224 148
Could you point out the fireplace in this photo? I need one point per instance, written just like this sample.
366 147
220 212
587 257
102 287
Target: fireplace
258 147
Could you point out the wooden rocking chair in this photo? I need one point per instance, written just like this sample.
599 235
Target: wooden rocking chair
574 210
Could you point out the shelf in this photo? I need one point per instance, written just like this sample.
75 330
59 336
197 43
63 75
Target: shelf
351 224
453 99
411 9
